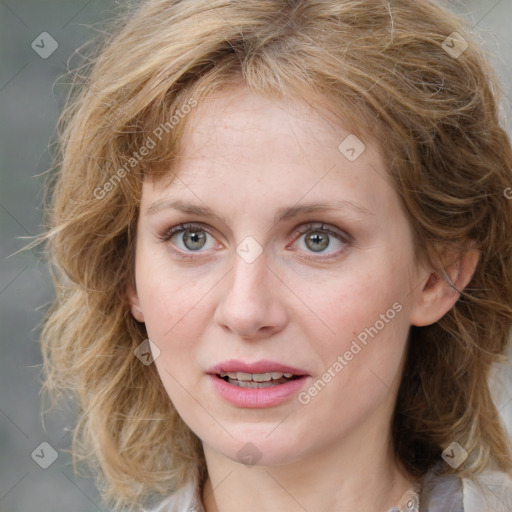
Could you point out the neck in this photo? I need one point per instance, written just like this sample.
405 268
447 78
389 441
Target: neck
358 474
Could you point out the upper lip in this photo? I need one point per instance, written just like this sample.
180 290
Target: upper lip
256 367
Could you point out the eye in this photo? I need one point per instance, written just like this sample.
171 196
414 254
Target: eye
188 238
317 238
313 238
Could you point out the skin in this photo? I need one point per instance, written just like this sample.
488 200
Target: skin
245 156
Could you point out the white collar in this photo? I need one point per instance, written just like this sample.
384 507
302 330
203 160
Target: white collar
492 491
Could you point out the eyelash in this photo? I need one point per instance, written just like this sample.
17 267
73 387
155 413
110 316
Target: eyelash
318 226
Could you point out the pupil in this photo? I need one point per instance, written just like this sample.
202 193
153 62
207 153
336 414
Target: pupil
320 239
194 239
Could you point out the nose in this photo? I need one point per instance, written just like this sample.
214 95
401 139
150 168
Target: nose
251 305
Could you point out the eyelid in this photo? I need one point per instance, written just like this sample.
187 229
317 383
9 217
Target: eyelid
304 228
322 226
166 235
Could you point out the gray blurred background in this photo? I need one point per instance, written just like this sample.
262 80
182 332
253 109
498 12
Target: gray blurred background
29 105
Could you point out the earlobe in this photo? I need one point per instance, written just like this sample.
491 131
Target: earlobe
134 304
441 288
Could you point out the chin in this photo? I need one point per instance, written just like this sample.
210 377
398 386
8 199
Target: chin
258 449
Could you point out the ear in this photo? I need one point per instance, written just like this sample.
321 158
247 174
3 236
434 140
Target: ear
442 287
134 304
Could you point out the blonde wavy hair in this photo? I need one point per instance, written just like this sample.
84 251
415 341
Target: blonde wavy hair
386 72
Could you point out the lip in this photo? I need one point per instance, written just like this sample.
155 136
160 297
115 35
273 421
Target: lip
263 366
253 398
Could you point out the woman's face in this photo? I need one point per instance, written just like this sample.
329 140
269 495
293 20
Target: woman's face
294 256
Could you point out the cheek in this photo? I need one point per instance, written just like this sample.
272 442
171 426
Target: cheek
362 357
171 298
355 300
368 313
175 317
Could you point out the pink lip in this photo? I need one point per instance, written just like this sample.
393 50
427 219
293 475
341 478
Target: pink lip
253 398
257 367
256 397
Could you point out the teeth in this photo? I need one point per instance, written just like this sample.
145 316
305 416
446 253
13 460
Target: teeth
255 377
252 384
261 377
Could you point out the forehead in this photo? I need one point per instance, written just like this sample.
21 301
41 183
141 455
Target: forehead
237 117
257 152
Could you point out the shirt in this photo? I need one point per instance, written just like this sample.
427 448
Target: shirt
491 492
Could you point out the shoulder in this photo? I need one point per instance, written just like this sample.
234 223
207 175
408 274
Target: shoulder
491 491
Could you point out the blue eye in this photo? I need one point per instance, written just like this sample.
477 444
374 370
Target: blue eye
316 239
193 237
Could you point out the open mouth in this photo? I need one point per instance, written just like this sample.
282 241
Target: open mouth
257 380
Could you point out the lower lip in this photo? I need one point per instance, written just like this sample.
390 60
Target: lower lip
257 397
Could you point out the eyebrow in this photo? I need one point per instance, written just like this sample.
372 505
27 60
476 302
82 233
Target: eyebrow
282 214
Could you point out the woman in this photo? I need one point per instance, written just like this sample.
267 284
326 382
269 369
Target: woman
281 252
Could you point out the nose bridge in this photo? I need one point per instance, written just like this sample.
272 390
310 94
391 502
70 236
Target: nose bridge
249 277
249 305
